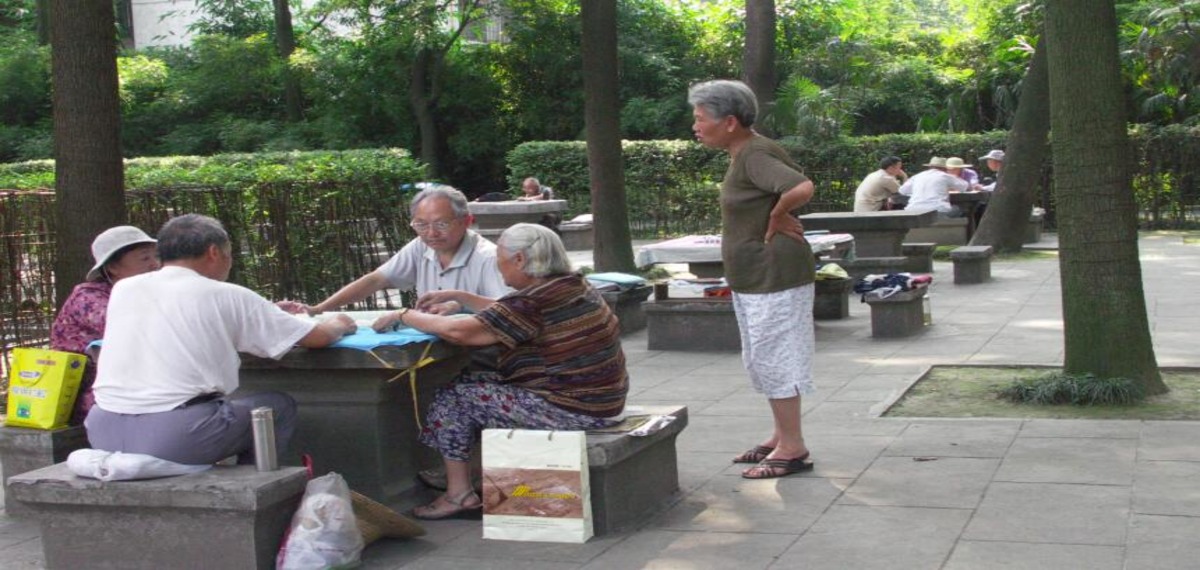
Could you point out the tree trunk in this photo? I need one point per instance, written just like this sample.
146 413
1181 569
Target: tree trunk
758 56
1106 330
614 248
422 101
89 174
1006 219
285 43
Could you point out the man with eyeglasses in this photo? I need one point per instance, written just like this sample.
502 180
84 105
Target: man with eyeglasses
447 254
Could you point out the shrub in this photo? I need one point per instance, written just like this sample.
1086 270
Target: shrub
1060 389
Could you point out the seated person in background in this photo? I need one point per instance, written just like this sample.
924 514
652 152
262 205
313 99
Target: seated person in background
878 186
446 254
531 189
995 161
969 174
930 190
169 366
120 252
561 366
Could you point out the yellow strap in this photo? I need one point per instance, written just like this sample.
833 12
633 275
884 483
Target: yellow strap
411 371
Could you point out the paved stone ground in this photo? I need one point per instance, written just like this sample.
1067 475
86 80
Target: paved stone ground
891 493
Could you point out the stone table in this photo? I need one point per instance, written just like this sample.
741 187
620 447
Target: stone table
492 218
876 234
702 253
356 410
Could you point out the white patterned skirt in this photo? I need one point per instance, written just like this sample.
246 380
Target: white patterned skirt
778 340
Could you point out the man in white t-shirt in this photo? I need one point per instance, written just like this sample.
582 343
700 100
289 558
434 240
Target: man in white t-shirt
930 190
169 367
446 255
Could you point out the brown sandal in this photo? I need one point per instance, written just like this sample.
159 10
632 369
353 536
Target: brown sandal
772 468
755 455
457 509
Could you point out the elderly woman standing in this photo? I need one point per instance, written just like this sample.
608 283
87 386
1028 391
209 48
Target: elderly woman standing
561 364
768 264
120 252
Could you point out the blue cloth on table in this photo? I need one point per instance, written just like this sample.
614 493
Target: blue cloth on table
362 339
366 339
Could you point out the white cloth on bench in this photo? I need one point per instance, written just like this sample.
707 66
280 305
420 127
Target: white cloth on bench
117 466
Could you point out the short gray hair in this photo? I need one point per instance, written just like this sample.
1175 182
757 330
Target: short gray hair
458 201
725 98
189 236
545 255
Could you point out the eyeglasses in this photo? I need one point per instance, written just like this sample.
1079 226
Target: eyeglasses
440 226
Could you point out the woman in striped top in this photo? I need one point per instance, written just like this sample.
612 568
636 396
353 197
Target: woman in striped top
561 364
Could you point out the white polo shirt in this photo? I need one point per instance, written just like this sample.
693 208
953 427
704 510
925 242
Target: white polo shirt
174 334
473 268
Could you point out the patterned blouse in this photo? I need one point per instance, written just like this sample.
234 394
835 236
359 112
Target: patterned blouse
81 321
563 343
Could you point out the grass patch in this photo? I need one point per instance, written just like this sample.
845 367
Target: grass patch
969 391
942 253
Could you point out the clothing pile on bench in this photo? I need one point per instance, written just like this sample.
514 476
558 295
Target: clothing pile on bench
875 286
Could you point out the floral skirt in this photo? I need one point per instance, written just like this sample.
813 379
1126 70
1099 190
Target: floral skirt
462 410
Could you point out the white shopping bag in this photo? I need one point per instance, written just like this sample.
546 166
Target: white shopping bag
535 486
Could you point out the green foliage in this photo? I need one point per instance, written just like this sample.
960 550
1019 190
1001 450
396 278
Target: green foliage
1058 389
24 81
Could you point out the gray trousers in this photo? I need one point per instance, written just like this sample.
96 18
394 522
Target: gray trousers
194 435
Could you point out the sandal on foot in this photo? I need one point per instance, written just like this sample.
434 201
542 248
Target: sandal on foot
755 455
772 468
452 508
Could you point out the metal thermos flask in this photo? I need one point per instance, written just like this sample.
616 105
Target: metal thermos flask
262 421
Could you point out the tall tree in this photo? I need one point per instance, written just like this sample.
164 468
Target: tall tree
89 175
422 32
1106 331
758 55
602 111
285 43
1007 217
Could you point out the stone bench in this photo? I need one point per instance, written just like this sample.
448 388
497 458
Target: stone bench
972 264
577 236
226 517
899 315
627 306
633 477
944 231
24 449
832 298
698 324
919 256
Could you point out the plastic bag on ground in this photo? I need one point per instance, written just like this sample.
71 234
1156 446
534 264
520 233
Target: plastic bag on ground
324 531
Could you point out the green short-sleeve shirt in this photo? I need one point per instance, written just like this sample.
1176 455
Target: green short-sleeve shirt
752 186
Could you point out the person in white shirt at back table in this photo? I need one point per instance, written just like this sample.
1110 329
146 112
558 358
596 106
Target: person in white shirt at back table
930 190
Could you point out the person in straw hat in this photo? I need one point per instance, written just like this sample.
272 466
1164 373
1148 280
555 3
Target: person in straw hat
119 252
930 190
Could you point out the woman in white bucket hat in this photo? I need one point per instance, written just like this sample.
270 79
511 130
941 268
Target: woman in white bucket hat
119 252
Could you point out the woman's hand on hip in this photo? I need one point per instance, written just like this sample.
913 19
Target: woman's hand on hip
784 224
